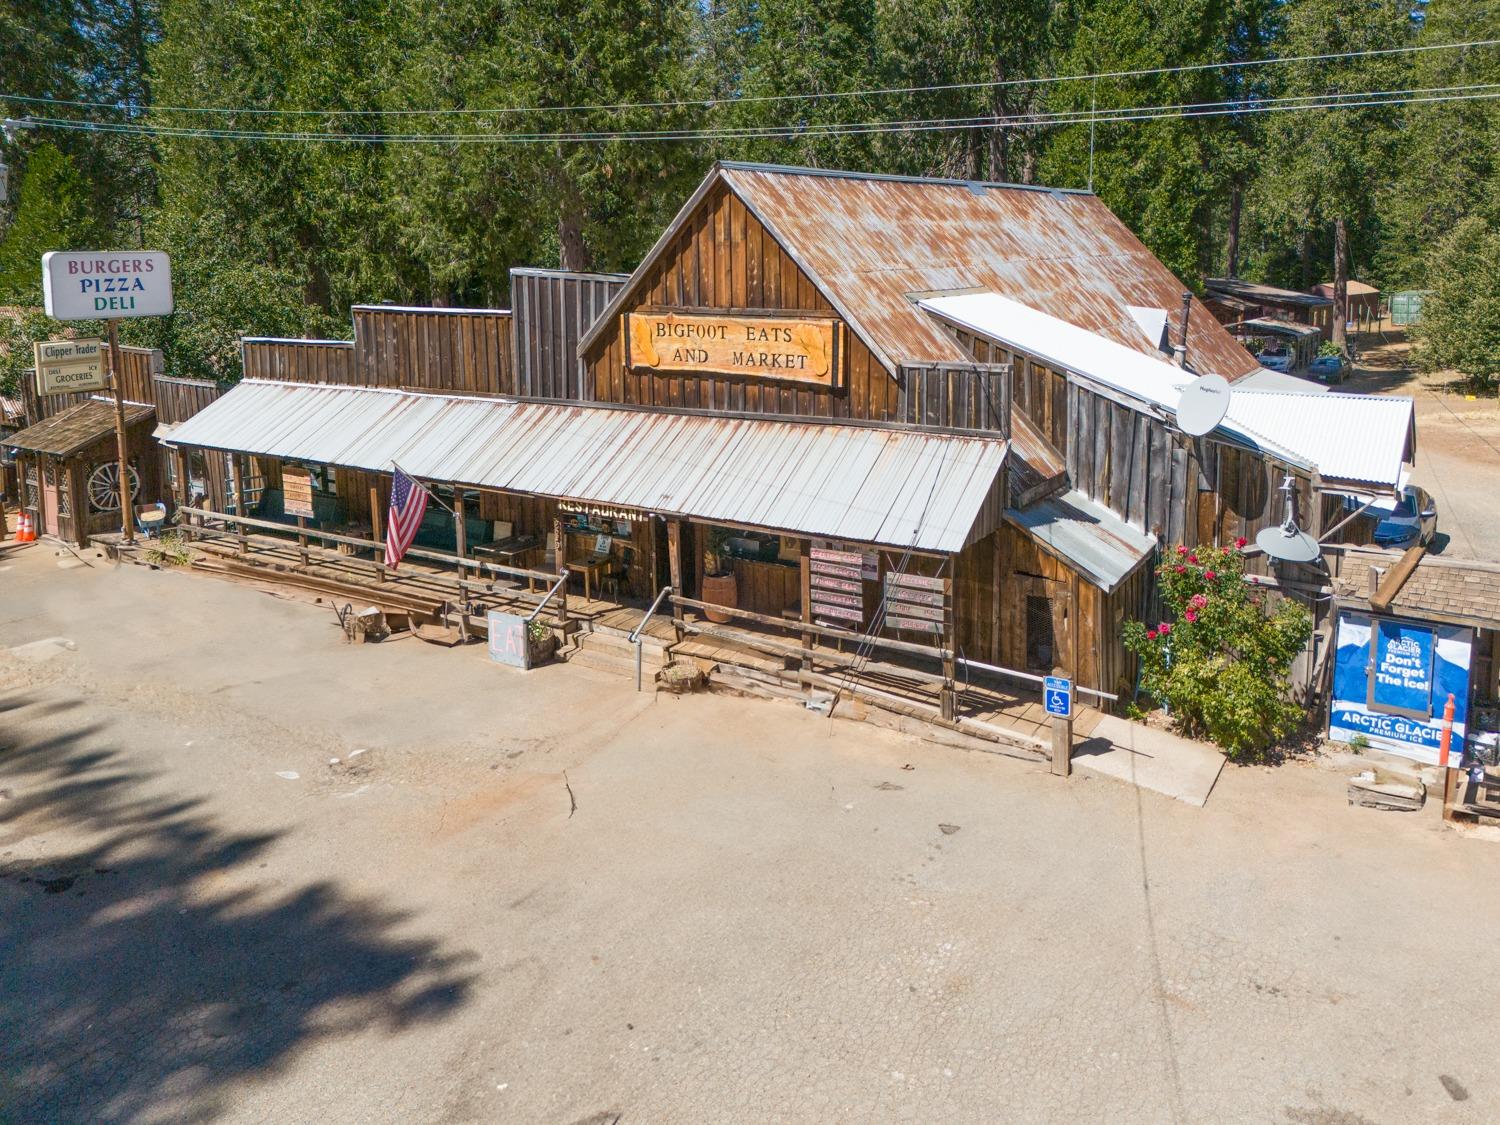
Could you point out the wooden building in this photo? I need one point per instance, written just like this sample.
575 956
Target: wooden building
69 468
921 409
1235 299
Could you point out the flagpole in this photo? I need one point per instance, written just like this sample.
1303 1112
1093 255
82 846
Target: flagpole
430 494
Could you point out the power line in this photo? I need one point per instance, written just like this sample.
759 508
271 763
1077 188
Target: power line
709 102
1351 100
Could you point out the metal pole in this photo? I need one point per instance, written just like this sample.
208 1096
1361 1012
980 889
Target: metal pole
127 515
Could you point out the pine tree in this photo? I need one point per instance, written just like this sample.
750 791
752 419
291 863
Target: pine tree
1326 168
54 213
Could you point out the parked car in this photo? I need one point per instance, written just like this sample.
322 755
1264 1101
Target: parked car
1328 369
1411 522
1275 357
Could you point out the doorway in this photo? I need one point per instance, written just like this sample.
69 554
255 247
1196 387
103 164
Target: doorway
50 490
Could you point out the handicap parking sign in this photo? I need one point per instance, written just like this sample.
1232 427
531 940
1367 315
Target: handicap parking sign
1057 695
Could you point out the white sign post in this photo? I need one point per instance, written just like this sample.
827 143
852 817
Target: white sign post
109 285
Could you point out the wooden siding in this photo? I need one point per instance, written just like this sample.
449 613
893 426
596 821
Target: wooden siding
467 351
973 397
724 259
137 366
177 400
299 361
463 351
552 311
1036 390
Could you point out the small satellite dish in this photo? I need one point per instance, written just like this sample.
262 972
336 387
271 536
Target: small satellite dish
1288 543
1203 404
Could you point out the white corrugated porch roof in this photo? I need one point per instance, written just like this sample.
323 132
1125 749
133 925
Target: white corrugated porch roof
899 487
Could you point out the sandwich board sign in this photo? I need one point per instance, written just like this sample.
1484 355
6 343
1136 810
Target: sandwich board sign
105 284
63 366
1057 696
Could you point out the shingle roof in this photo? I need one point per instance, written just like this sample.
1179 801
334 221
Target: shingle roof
1455 589
77 427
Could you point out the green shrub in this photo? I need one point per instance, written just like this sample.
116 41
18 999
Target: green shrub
1220 663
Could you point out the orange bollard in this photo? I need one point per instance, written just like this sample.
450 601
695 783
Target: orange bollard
1446 744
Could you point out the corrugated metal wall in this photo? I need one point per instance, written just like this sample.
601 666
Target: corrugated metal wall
553 309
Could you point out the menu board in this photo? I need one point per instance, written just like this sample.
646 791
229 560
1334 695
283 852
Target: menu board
837 581
296 490
915 603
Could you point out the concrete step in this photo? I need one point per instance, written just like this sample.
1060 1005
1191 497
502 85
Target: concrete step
613 641
609 653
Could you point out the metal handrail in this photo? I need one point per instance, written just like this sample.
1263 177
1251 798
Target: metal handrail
1014 674
635 636
562 580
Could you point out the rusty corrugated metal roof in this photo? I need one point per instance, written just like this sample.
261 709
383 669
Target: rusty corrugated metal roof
904 488
870 241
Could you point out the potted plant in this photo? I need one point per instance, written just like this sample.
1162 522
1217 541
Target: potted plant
541 643
718 574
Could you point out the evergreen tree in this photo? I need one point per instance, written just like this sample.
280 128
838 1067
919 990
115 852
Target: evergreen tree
945 43
1326 168
1447 154
795 52
1460 326
1163 177
54 213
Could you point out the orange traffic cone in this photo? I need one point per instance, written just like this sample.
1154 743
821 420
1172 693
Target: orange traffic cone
25 528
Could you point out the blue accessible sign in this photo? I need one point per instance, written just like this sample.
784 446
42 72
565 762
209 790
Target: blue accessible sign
1057 695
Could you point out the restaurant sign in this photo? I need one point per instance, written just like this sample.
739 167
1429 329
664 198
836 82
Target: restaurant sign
102 285
63 366
802 350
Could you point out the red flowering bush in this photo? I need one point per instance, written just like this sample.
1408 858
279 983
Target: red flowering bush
1220 663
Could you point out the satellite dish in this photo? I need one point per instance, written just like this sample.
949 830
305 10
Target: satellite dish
1288 543
1203 404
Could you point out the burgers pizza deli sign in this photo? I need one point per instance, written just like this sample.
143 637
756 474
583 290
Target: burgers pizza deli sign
102 285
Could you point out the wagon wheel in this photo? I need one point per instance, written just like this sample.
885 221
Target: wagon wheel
104 486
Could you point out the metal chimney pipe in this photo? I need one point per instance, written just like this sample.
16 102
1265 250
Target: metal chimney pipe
1180 356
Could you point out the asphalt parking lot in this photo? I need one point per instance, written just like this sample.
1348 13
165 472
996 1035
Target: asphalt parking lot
249 873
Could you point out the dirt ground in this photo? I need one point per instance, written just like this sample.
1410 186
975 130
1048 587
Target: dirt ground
249 873
1458 444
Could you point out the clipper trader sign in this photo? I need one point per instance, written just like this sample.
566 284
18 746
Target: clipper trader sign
770 347
63 366
104 284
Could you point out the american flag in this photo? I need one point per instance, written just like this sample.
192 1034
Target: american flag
408 505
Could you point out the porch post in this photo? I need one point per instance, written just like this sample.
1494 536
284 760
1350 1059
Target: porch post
674 565
950 664
460 532
375 529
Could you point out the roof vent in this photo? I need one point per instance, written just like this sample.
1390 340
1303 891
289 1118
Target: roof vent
976 188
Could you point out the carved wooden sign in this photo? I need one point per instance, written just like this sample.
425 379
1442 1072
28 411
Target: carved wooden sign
296 490
802 350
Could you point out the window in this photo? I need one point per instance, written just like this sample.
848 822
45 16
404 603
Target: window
33 490
323 478
1039 639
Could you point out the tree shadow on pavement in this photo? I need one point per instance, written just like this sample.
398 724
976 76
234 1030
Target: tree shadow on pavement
141 970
